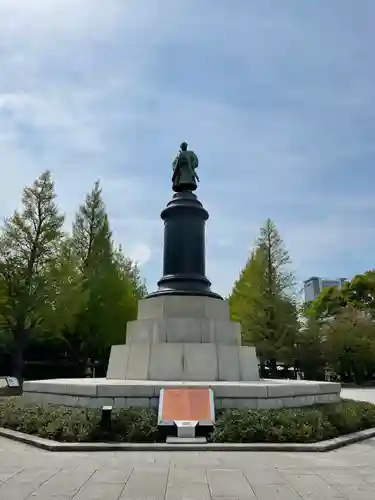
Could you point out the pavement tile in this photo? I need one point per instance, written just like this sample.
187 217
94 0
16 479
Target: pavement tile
6 475
265 476
188 491
99 491
275 492
355 492
312 487
229 482
111 475
20 491
35 475
338 477
145 485
183 475
65 483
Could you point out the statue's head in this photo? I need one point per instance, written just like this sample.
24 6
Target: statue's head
183 146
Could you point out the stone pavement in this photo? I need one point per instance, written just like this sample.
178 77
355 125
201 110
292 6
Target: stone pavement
29 473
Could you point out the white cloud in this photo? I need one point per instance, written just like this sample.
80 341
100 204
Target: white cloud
276 101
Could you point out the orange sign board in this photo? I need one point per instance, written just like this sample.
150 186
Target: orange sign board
186 404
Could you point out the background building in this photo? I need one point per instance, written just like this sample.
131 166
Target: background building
313 286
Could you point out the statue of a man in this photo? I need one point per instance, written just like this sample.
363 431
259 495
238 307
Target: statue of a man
184 177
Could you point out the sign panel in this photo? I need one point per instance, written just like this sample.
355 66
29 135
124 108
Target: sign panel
186 405
13 382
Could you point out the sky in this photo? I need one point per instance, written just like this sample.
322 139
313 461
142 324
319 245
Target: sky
277 99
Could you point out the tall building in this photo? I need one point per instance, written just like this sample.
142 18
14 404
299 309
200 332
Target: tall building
313 286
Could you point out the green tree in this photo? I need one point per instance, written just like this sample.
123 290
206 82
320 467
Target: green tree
327 304
262 300
134 287
29 248
310 350
246 300
109 280
69 296
358 293
350 345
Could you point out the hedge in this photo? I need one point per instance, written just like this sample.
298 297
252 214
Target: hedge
299 425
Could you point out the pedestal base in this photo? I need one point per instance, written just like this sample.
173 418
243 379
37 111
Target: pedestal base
264 394
179 361
182 341
183 338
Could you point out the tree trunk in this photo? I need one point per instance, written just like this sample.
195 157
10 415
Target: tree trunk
273 367
17 360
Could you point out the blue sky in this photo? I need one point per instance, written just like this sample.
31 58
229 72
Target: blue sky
277 98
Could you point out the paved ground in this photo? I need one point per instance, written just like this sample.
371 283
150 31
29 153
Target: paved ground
28 473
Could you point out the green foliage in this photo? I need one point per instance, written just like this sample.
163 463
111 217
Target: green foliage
60 309
280 279
29 248
300 425
328 303
110 280
79 289
135 425
359 293
61 423
350 345
310 351
261 299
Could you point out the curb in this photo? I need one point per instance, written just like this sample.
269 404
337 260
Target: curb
322 446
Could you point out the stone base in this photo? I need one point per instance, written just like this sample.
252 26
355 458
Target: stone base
182 361
99 392
186 338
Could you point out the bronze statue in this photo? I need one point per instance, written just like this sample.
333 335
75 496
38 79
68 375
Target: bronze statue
184 177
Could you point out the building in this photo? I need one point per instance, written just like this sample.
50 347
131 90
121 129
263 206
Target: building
313 286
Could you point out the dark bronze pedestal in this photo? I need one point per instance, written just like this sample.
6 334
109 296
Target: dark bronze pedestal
184 265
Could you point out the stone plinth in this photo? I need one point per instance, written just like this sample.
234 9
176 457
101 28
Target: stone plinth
264 394
182 338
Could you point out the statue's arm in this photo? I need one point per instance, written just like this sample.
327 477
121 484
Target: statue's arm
196 161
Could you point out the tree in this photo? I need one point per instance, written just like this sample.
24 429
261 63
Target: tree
310 351
247 298
327 304
358 293
261 300
350 345
280 279
133 285
29 248
69 297
109 279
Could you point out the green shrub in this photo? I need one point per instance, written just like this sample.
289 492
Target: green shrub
293 425
296 425
135 425
61 423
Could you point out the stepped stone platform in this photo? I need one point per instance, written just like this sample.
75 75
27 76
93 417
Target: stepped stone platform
182 341
183 338
99 392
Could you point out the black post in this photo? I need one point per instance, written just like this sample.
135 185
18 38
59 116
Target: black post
106 419
184 265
